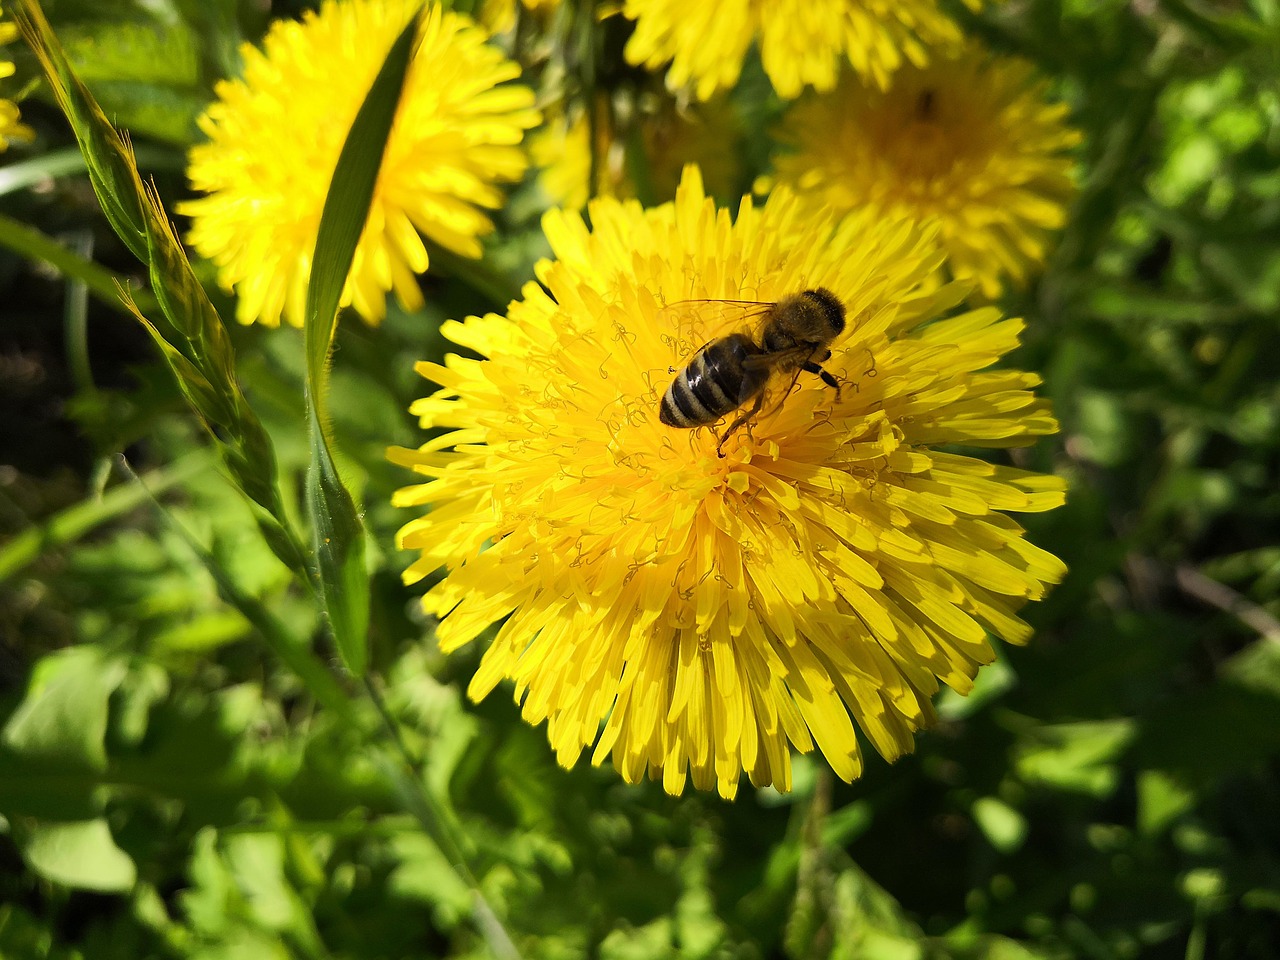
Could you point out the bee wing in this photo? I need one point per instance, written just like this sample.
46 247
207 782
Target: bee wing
789 362
781 360
692 324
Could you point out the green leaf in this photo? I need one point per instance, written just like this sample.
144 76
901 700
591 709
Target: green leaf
425 874
1161 800
80 854
63 720
1004 826
134 52
653 941
257 863
1076 757
206 371
147 76
336 525
346 207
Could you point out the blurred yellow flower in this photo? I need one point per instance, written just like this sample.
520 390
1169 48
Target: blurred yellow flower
499 16
686 612
707 136
972 143
11 126
802 42
275 136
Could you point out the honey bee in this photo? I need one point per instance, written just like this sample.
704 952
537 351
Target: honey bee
732 371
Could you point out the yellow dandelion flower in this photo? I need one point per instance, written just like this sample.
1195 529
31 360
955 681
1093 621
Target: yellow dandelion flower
275 136
11 127
705 137
687 612
499 16
562 151
802 42
973 143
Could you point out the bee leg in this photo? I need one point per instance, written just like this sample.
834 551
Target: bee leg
738 421
828 378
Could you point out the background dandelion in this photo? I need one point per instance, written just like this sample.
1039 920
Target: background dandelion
11 127
973 144
275 137
801 43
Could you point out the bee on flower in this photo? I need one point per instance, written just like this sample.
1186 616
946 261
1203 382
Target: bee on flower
692 605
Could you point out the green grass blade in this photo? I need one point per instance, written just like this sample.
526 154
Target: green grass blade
107 157
197 346
69 525
336 524
101 282
69 161
346 208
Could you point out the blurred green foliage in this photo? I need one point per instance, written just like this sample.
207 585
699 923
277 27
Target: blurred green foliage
168 788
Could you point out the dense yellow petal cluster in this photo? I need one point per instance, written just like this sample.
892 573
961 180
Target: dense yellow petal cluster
687 613
802 42
275 136
11 126
972 143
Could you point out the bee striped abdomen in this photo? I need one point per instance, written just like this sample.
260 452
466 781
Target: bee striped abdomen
713 383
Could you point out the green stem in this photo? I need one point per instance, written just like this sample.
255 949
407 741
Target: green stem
76 316
438 825
68 161
101 282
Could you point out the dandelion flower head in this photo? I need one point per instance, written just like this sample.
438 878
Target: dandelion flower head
973 143
11 127
276 133
802 42
691 615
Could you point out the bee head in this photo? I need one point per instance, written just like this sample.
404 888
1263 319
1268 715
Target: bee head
830 305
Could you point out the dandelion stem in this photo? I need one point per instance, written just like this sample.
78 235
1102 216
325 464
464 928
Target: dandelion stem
77 320
438 824
1207 590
